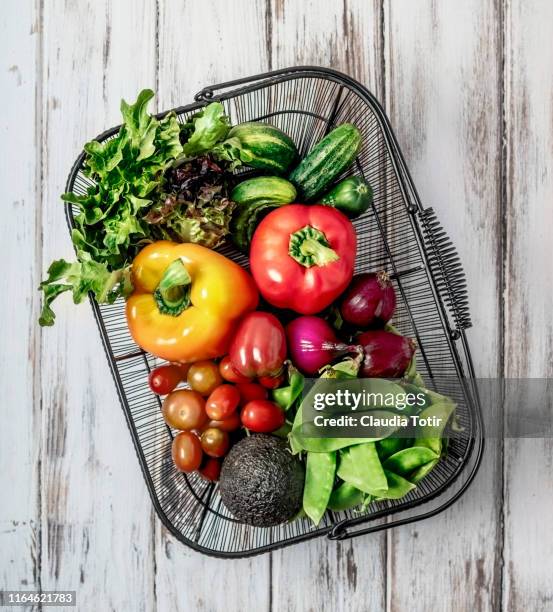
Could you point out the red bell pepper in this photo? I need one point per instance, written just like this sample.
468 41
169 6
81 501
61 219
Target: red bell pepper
302 257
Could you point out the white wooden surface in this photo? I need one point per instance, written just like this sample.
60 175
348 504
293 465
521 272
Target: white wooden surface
468 87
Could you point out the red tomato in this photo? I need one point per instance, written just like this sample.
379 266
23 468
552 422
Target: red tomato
215 442
229 372
184 367
187 451
222 402
164 379
203 376
251 391
271 382
184 409
231 423
210 470
259 345
262 416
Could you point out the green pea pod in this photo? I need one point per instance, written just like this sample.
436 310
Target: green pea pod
398 487
431 437
423 471
286 396
389 446
345 496
319 480
409 459
299 441
361 467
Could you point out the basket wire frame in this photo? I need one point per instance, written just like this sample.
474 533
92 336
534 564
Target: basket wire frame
396 235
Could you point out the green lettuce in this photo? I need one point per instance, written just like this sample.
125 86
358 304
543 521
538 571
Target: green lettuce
131 176
206 129
80 277
127 177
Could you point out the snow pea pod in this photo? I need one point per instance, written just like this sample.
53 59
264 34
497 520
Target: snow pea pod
409 459
389 446
299 441
431 436
319 480
421 472
398 487
345 496
361 467
285 397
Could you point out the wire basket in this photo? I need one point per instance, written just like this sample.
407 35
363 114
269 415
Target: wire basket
398 235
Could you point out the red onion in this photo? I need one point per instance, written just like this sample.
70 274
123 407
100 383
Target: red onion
387 355
312 344
369 300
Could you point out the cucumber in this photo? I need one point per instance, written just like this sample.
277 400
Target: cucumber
262 146
352 196
326 160
263 189
255 198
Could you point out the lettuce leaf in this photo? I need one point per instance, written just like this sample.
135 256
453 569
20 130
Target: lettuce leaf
197 207
127 174
80 277
132 176
206 129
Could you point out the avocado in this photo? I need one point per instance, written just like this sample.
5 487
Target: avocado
261 481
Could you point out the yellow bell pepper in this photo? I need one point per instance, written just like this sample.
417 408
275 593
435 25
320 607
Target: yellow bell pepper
186 301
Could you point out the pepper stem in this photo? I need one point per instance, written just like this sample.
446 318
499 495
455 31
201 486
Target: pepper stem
309 247
172 295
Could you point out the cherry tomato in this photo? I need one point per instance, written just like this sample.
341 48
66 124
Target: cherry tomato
231 423
210 469
164 379
251 391
230 373
222 402
204 376
183 367
184 409
187 451
262 416
271 382
215 442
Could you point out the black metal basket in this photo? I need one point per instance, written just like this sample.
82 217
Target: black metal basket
397 234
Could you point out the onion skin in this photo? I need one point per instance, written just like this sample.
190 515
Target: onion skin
369 301
312 344
387 355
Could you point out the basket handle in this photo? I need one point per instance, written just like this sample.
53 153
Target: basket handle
446 268
208 93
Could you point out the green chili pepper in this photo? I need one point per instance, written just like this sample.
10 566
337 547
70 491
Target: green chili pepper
409 459
361 467
319 480
345 496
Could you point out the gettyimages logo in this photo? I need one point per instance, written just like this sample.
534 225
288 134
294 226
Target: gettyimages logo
375 408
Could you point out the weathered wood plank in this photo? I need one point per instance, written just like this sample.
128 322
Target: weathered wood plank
20 40
443 85
97 534
528 295
325 575
202 43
